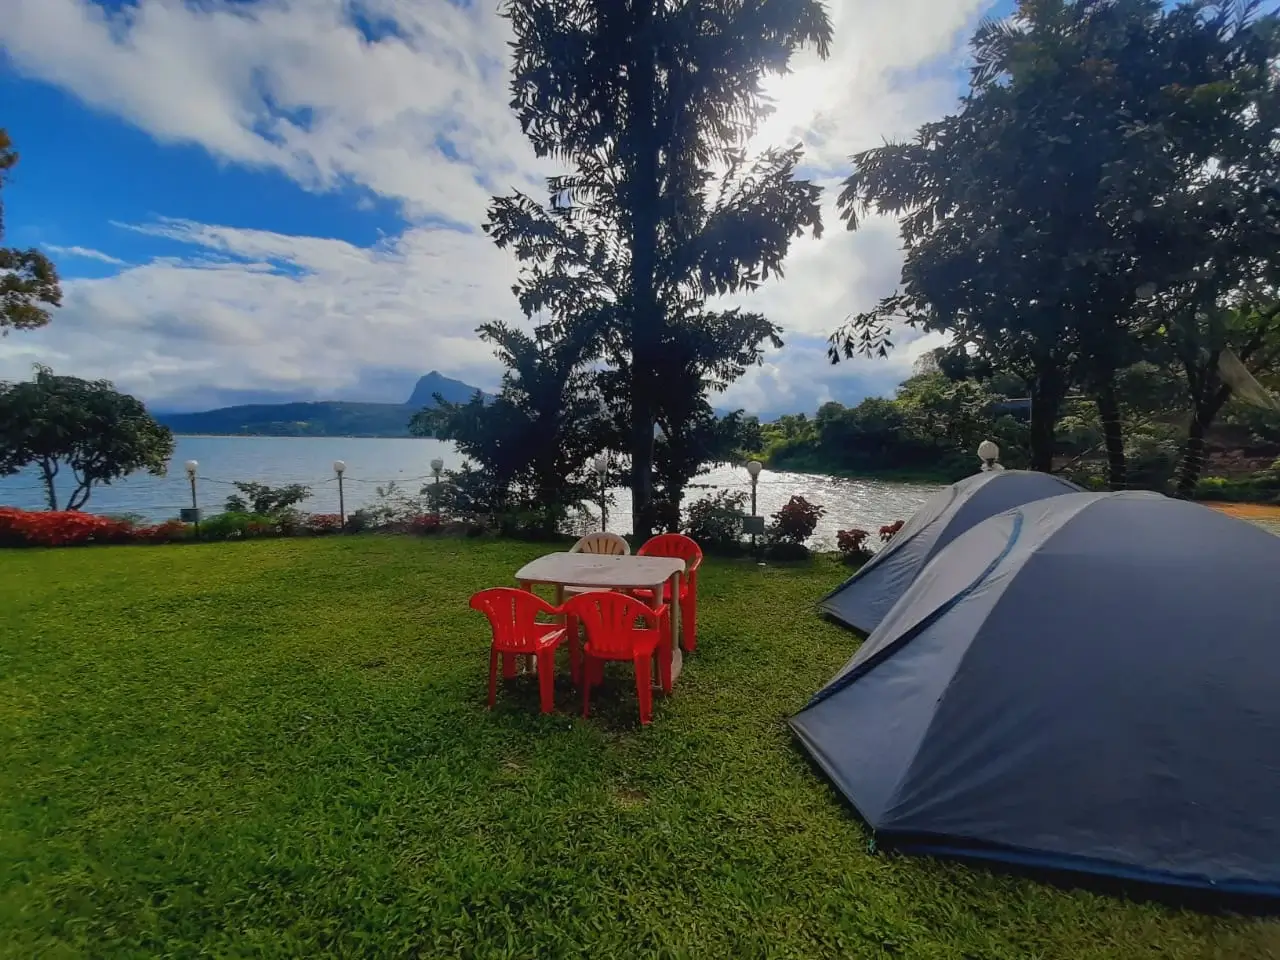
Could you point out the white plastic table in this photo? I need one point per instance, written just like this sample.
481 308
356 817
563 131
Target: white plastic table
595 571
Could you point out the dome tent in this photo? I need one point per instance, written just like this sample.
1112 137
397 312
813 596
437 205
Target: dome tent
862 601
1089 682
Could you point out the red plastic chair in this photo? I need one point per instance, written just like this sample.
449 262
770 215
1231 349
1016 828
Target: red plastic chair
678 545
620 627
513 614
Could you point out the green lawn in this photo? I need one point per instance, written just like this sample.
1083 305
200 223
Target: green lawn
280 748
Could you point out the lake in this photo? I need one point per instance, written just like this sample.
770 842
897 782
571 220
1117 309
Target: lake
375 462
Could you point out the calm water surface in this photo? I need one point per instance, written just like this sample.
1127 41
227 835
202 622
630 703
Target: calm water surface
375 462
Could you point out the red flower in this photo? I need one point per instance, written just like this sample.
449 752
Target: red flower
426 523
57 528
890 530
320 523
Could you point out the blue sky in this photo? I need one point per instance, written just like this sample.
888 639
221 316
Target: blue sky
280 199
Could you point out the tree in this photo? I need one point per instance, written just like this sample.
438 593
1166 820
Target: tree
536 439
645 100
1197 345
28 281
100 434
1034 218
265 500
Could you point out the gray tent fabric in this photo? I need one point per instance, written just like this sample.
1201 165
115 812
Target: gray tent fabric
862 601
1088 682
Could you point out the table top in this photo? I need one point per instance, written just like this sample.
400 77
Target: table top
600 570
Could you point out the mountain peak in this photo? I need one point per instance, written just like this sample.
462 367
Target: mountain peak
454 391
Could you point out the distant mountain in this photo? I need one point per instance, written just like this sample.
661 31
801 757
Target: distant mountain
324 418
453 391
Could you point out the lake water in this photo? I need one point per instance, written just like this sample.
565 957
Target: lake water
375 462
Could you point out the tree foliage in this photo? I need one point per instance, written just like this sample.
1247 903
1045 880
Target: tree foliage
1110 154
28 280
534 441
651 103
264 500
87 426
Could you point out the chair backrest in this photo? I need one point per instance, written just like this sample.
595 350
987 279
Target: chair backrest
673 545
614 622
605 543
513 614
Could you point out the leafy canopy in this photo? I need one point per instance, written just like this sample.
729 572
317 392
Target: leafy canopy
88 426
651 103
28 280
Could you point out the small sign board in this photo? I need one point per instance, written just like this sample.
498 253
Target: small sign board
753 526
189 514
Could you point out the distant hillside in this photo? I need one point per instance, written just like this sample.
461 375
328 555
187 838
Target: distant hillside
325 418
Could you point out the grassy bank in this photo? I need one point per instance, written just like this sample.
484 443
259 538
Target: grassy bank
279 748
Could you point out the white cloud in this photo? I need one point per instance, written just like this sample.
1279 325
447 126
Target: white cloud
418 115
85 254
297 315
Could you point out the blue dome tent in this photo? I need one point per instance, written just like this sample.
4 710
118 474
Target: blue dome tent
1089 682
862 601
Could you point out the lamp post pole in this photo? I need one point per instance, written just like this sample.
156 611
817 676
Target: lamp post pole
754 467
602 468
437 468
340 467
192 466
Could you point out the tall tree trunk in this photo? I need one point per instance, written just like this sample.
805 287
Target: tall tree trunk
1206 411
1192 457
49 470
646 320
1112 434
1046 395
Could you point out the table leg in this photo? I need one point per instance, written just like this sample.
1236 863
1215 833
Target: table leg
677 658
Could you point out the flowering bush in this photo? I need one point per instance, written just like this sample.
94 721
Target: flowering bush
890 530
796 521
852 544
425 523
322 523
58 528
716 521
171 531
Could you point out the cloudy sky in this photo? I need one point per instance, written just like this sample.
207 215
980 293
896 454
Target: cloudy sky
281 199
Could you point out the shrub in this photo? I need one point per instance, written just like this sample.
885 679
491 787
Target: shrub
890 530
59 528
319 524
264 500
425 524
852 544
535 525
171 531
393 509
715 521
787 550
361 521
237 526
796 521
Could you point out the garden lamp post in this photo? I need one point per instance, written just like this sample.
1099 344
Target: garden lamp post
437 468
989 454
754 467
340 467
192 466
602 468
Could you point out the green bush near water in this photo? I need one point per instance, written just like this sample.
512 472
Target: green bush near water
279 748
